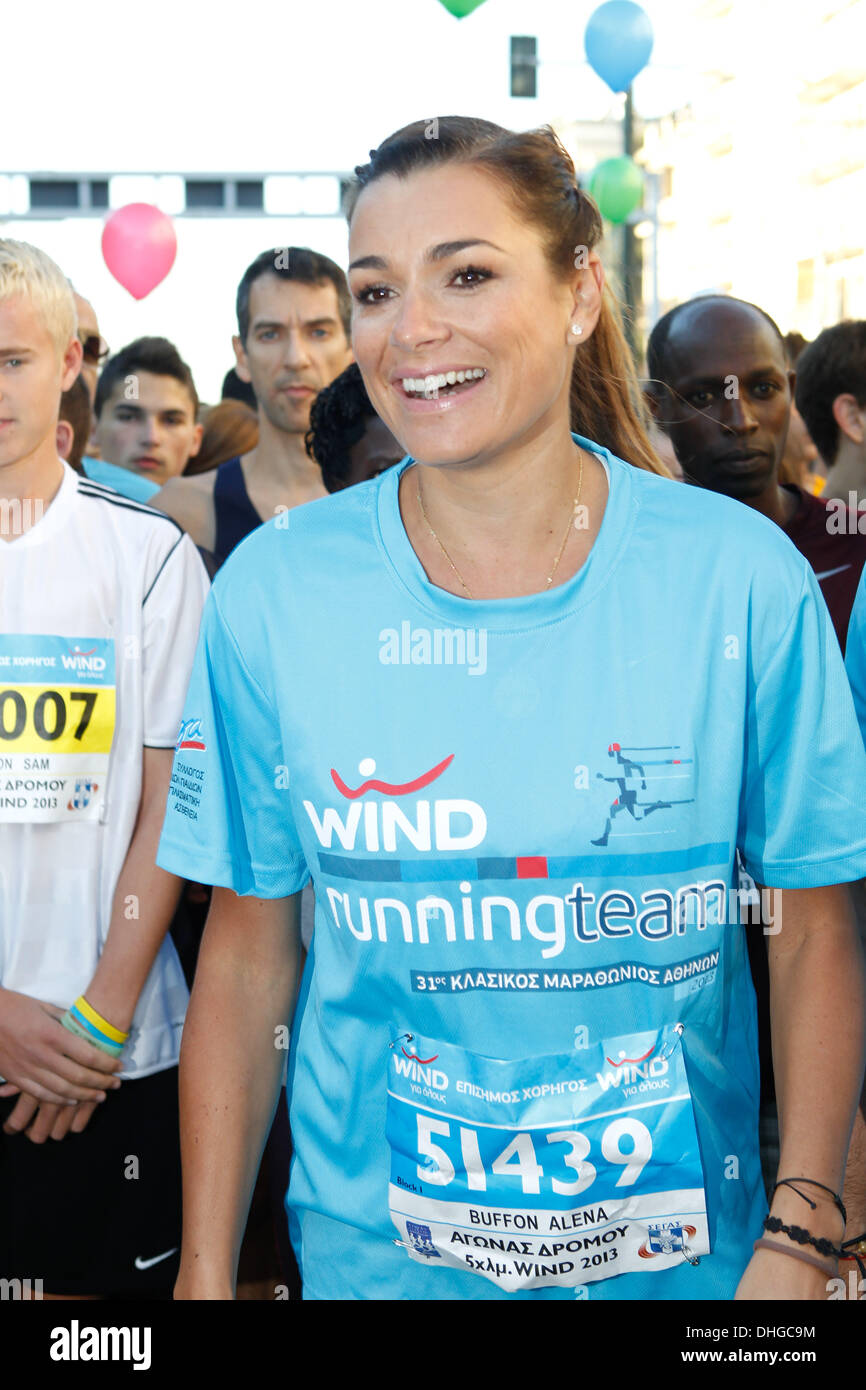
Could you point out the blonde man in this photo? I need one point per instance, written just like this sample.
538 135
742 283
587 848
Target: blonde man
100 600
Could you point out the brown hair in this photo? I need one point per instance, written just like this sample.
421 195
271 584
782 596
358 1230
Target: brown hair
536 172
75 411
230 429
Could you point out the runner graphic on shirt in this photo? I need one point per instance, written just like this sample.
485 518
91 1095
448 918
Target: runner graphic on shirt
632 777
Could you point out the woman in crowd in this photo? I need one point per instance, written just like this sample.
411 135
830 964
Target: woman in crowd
524 1056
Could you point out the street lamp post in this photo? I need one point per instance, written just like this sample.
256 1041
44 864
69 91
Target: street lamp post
631 248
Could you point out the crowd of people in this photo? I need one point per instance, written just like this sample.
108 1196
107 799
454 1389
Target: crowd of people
242 754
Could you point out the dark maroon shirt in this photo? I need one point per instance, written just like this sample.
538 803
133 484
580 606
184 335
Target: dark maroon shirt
836 550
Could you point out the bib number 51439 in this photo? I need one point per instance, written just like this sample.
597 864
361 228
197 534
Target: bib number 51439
520 1157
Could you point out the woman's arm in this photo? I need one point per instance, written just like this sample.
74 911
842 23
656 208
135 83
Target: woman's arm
817 1017
230 1073
855 1174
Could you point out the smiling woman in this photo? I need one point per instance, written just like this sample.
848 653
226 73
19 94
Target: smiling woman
605 399
508 1019
483 342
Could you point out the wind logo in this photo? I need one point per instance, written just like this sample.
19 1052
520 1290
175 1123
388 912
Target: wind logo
410 1066
78 660
440 824
393 788
190 736
639 1072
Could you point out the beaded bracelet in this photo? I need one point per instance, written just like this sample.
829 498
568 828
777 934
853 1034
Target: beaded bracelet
802 1237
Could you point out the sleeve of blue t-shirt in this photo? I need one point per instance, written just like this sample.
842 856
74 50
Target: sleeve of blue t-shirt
855 655
803 802
228 820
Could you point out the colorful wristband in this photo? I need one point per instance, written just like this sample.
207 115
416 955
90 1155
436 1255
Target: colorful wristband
107 1029
72 1025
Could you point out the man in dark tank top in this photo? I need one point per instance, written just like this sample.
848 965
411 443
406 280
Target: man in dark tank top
293 310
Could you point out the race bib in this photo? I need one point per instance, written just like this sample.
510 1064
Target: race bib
556 1170
57 716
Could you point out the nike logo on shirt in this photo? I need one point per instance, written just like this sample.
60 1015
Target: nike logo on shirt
146 1264
827 573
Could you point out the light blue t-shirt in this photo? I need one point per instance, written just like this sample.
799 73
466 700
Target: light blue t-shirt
521 817
123 480
855 653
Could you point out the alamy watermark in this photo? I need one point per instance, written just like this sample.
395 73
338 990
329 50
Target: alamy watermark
846 518
19 1290
438 646
77 1343
17 515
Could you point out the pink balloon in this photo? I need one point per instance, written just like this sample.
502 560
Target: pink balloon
139 246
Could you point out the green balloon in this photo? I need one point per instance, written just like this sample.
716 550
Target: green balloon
461 8
617 186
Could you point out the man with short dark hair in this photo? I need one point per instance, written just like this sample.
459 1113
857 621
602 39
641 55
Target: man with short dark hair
293 310
831 397
146 409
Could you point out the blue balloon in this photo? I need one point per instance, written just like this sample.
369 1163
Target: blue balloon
618 42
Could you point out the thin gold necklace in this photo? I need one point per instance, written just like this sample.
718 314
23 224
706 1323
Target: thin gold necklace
561 548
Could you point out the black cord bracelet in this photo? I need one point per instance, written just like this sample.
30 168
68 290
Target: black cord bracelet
803 1237
789 1182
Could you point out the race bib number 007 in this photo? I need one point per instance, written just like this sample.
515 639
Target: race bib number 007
557 1170
57 716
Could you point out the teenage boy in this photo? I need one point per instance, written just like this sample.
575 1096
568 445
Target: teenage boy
100 601
146 410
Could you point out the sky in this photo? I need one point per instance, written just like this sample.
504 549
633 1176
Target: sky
261 87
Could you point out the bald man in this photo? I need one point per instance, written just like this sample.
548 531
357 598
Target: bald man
721 389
